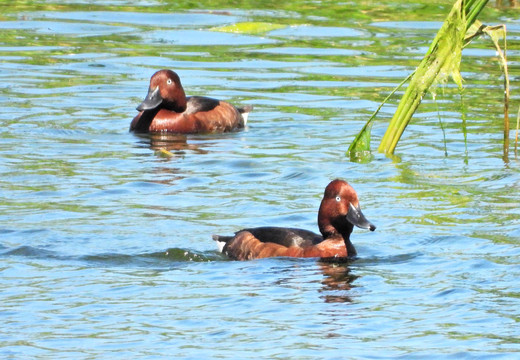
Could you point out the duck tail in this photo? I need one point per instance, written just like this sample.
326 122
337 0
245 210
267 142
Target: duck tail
221 241
244 111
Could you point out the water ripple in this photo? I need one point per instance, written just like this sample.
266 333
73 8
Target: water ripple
105 242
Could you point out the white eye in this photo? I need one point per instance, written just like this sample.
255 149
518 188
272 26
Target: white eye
169 81
338 199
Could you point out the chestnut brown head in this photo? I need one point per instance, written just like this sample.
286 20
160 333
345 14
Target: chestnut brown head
165 91
340 211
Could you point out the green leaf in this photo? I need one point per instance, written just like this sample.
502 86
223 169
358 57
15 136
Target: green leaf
441 61
359 150
249 27
164 153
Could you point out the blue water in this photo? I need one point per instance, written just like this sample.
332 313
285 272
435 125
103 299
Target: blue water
105 243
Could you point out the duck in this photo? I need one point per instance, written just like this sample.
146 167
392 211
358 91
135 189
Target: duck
166 108
339 212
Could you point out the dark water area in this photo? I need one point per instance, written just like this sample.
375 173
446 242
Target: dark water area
105 239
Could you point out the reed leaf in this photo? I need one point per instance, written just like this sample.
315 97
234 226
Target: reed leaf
495 33
359 149
441 61
517 128
249 27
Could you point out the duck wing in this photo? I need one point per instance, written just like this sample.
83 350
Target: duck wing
200 104
287 237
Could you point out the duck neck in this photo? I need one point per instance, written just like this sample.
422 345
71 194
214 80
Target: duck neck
351 250
178 102
177 106
142 121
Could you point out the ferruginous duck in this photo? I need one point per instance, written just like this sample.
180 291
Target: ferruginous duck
338 214
167 109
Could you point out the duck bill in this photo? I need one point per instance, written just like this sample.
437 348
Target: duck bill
356 217
152 100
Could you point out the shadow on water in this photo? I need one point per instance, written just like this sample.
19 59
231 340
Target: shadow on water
339 276
389 260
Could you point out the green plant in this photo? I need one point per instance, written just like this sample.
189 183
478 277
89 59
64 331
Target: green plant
441 61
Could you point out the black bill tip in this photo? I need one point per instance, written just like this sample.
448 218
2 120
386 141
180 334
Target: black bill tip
356 217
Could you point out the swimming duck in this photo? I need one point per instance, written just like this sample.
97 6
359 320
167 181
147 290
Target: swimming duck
166 108
339 212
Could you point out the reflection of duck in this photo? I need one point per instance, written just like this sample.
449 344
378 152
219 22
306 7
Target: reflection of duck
166 108
176 143
339 212
337 279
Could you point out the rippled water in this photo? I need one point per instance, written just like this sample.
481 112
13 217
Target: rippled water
106 248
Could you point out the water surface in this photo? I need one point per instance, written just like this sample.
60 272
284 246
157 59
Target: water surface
106 246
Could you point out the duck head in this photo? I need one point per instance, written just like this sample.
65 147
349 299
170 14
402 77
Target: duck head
165 91
340 211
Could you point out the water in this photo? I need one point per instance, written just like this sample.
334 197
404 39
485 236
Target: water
106 248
